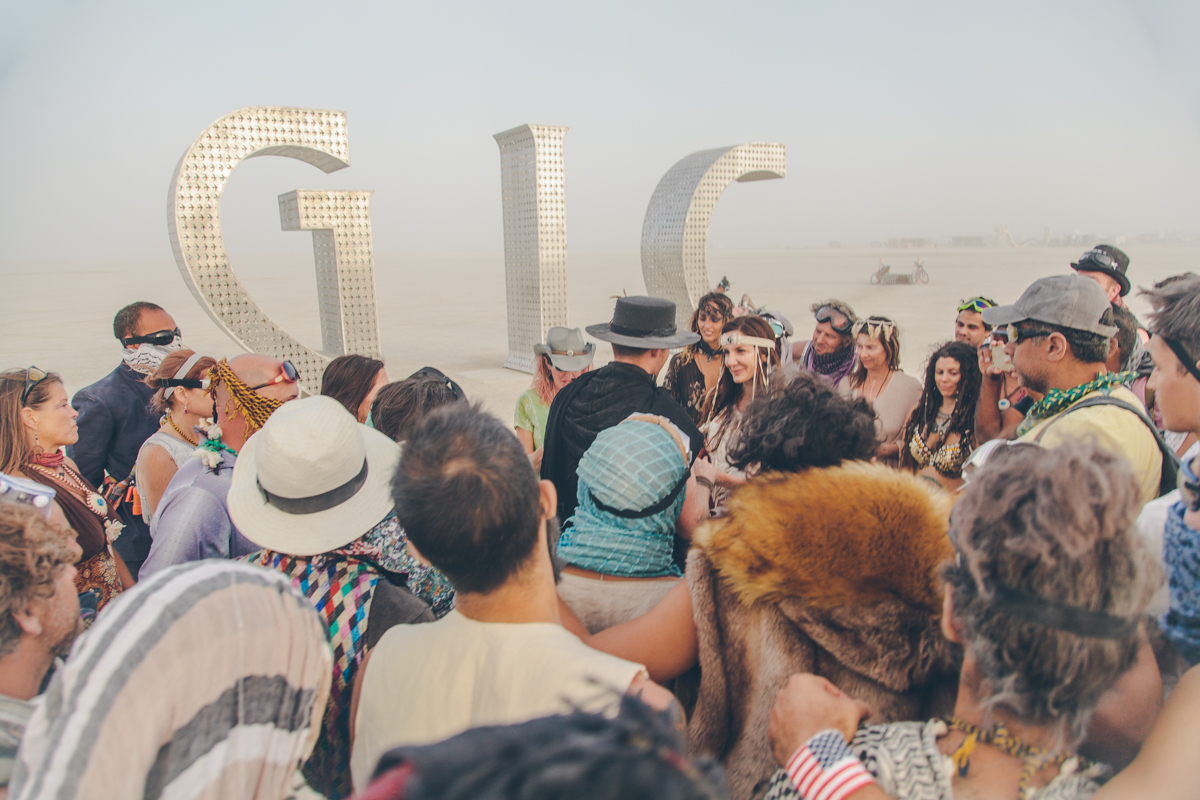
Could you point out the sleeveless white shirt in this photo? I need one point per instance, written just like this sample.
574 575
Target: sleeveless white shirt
426 683
179 450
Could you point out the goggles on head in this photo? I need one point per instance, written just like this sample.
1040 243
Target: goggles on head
736 338
160 338
836 319
287 374
976 304
33 376
1098 258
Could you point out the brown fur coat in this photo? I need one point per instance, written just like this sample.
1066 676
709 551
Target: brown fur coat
830 571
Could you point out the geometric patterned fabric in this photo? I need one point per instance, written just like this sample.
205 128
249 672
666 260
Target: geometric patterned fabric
630 466
340 589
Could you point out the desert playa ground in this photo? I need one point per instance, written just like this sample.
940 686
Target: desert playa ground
448 310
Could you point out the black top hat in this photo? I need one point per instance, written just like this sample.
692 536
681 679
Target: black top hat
647 323
1107 259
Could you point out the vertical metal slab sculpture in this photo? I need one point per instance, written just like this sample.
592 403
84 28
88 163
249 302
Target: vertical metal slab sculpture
340 221
675 231
341 226
533 186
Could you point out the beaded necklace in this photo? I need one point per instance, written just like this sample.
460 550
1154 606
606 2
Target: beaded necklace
1034 757
182 435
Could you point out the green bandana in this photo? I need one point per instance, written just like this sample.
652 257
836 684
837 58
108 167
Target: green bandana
1056 400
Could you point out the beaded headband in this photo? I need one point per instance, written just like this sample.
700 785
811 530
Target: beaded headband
734 339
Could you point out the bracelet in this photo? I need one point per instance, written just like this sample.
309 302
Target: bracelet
825 768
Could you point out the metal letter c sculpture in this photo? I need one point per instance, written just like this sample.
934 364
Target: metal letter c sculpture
340 222
675 232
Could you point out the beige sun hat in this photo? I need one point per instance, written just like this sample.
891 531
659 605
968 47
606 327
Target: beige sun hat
312 479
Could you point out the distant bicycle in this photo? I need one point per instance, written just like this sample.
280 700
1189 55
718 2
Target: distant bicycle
884 275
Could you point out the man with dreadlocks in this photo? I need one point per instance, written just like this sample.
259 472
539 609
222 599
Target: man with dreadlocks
192 519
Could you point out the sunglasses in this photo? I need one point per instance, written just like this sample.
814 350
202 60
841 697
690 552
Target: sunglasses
976 304
287 374
1017 335
33 376
160 338
836 319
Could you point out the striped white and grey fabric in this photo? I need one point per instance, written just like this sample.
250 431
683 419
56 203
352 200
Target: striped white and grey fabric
206 680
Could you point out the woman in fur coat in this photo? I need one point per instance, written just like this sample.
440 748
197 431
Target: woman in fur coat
823 563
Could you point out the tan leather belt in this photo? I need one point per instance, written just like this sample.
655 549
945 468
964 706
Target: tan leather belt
600 576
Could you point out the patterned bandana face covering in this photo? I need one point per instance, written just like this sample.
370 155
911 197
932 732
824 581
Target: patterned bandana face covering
146 358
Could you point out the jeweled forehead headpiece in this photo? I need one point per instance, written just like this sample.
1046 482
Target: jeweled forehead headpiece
735 338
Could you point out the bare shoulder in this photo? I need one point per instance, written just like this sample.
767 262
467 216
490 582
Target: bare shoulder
154 457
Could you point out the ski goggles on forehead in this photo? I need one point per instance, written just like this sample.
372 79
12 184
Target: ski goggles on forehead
836 319
160 338
976 304
287 374
1099 258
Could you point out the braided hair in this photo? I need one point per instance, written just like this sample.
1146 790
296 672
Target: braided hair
252 406
962 420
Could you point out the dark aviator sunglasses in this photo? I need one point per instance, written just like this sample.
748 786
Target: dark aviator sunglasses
160 338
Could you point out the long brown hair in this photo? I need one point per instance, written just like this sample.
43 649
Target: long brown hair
170 365
15 449
348 379
728 393
884 331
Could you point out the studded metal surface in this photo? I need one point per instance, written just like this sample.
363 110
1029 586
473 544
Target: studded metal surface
675 232
533 185
340 222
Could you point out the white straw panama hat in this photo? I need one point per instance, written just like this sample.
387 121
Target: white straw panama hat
312 479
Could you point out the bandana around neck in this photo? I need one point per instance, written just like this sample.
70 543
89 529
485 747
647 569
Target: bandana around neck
834 366
1058 400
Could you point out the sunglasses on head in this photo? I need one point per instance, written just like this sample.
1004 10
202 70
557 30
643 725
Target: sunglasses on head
1016 334
976 304
160 338
836 319
33 376
287 374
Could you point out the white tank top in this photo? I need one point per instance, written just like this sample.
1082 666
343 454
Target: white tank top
179 450
425 683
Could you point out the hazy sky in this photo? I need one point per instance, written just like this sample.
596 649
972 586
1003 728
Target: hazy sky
928 119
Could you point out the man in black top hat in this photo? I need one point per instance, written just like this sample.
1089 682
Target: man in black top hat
642 333
1106 265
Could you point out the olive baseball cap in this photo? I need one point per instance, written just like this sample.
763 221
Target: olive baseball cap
1070 301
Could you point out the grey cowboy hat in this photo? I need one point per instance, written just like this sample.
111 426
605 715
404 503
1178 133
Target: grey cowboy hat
566 349
646 323
1070 301
1104 259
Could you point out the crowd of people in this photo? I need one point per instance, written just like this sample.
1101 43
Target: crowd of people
791 570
